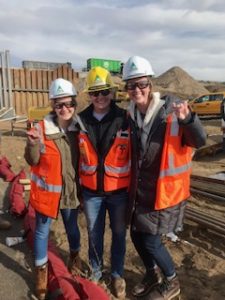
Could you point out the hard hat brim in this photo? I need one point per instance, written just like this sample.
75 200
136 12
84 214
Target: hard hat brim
99 88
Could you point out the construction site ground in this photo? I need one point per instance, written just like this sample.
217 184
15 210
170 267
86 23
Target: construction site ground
199 255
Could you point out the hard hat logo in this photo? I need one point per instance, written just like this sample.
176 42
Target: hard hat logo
60 90
98 79
133 66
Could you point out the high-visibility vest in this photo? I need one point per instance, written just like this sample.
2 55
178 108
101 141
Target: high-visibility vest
46 178
116 163
173 185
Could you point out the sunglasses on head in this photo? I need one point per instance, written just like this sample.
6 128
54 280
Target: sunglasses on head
102 92
66 104
140 84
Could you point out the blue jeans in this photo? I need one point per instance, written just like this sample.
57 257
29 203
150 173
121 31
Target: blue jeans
152 252
42 229
95 208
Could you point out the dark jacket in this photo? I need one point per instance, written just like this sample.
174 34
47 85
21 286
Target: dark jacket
102 134
144 177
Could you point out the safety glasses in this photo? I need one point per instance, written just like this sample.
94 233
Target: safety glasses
140 84
102 92
66 104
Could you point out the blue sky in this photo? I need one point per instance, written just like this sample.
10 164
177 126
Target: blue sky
189 34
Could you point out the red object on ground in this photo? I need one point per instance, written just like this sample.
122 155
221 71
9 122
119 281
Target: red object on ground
17 203
61 284
5 170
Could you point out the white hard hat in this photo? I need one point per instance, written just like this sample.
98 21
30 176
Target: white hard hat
60 88
137 66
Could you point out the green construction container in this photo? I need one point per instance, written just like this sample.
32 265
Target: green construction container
113 66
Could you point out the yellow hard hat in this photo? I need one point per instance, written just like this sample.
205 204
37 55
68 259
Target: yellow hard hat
98 79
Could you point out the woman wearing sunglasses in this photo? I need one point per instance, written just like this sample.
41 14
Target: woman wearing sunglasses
104 174
164 131
51 151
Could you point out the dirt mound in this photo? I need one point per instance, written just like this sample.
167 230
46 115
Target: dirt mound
180 83
214 87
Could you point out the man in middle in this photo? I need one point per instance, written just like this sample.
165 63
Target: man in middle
104 143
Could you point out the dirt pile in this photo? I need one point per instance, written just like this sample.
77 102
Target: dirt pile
178 82
214 87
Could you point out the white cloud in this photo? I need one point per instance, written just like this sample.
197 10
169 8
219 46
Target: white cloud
189 34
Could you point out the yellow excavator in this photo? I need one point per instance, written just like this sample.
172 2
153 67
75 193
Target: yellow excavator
120 93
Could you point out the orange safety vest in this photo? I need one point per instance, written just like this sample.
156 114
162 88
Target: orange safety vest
116 163
46 178
173 185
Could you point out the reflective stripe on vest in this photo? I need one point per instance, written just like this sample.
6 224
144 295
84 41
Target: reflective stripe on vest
174 177
118 170
47 187
172 170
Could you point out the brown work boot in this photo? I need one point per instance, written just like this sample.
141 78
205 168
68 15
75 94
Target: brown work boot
151 279
75 264
167 290
41 281
119 287
5 224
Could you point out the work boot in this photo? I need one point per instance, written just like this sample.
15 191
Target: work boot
41 281
151 279
119 287
167 290
75 264
5 224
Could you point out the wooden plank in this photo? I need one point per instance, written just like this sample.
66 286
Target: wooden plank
29 101
13 100
27 79
33 79
46 100
23 103
50 77
59 72
22 79
40 99
70 74
16 76
45 80
55 74
17 103
65 71
35 100
39 80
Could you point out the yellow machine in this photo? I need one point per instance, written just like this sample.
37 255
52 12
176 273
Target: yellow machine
208 104
121 94
36 114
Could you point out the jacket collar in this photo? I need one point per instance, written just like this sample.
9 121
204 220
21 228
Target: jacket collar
154 104
51 126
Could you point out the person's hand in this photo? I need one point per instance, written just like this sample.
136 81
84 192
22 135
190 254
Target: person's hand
181 109
33 136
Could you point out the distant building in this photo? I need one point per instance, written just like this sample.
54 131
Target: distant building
30 64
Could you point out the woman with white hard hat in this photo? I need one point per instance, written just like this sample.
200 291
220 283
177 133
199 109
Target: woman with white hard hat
163 134
52 153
